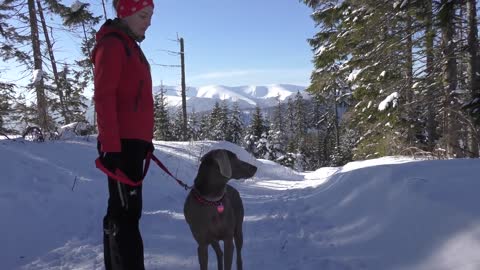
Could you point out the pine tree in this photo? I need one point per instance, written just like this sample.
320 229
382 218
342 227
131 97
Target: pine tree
300 114
79 18
290 119
205 130
162 130
219 122
404 62
6 98
236 125
177 125
261 149
194 128
256 139
473 72
278 121
277 137
257 126
73 103
450 80
222 128
51 99
24 114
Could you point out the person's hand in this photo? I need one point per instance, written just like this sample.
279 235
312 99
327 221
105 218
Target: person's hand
150 148
111 161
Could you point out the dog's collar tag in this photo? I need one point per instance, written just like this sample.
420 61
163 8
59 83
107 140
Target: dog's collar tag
220 208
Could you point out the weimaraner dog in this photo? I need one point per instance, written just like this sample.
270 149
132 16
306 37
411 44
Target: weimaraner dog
214 210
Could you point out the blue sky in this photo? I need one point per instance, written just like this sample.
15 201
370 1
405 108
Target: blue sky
227 42
231 42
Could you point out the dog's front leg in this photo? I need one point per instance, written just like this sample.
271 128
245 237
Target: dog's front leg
203 256
228 248
218 251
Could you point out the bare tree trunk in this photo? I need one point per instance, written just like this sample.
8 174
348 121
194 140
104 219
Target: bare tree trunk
473 67
184 95
431 125
336 124
104 10
410 107
63 109
449 79
37 61
409 61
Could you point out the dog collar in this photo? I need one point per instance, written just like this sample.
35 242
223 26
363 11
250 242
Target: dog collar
218 203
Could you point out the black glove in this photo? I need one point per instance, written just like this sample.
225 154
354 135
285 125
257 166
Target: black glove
150 148
111 161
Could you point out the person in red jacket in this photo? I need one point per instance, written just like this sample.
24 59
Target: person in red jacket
124 107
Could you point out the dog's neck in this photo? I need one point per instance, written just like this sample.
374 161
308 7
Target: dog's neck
207 189
209 183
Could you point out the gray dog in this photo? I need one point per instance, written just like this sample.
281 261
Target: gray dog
214 210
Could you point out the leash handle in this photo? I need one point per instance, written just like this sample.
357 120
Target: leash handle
121 177
118 175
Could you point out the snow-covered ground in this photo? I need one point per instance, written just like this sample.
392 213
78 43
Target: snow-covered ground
383 214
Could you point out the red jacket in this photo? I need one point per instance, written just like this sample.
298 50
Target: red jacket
123 89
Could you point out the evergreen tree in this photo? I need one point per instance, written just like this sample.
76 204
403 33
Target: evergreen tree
194 128
256 139
216 117
236 125
74 106
205 131
277 137
24 115
257 126
162 130
290 120
278 121
300 114
6 98
221 131
404 62
177 125
34 50
275 144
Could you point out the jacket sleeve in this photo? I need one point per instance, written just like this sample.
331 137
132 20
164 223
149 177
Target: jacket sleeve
109 59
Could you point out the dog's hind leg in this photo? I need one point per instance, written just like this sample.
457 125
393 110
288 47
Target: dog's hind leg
218 251
228 247
238 236
203 256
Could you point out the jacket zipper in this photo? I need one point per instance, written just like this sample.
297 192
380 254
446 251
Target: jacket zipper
137 98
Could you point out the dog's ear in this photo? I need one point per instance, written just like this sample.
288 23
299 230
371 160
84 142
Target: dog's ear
223 162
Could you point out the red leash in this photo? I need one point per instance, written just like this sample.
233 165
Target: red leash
121 177
160 164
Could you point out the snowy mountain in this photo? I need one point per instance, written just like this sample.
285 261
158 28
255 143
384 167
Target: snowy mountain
204 98
392 213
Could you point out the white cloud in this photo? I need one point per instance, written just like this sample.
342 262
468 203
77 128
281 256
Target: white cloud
253 76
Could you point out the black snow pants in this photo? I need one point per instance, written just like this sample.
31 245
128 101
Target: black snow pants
122 241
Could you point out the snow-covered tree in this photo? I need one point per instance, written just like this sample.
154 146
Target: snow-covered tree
221 123
176 125
236 125
194 128
409 66
6 110
205 130
162 121
257 127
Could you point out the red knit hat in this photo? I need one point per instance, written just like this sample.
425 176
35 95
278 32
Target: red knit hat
126 8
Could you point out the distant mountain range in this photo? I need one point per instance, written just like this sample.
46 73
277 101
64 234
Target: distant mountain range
248 97
203 98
